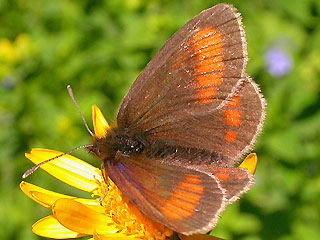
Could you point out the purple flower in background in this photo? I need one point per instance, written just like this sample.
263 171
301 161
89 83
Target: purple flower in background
278 62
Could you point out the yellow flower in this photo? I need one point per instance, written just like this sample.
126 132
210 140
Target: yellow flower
108 216
73 217
105 216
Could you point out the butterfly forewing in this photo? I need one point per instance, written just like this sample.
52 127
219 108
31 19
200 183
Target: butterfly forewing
196 71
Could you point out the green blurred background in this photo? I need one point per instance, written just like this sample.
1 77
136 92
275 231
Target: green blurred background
100 47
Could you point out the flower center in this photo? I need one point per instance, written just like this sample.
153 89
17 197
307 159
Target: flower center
128 218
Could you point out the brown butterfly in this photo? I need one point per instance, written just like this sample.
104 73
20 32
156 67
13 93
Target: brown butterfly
185 123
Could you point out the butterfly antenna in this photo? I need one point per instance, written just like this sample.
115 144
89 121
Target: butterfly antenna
77 106
34 168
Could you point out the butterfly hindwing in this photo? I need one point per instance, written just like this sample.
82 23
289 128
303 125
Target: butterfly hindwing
230 131
236 181
185 200
196 71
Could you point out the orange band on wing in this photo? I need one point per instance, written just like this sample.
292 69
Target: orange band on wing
234 102
231 136
210 79
222 176
233 117
209 69
192 178
184 199
205 95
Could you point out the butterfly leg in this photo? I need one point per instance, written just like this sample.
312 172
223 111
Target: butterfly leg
106 180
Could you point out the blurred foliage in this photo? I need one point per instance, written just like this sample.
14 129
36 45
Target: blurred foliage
99 47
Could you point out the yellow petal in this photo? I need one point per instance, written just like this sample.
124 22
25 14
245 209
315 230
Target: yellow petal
67 168
79 218
91 203
100 124
110 236
47 198
49 227
30 190
250 163
198 237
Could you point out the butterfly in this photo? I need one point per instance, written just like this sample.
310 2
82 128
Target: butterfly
185 124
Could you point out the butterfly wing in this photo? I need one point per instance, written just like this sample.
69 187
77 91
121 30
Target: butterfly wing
194 93
228 132
236 181
185 200
196 70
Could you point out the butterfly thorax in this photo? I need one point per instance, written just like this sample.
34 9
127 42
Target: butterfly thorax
117 140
